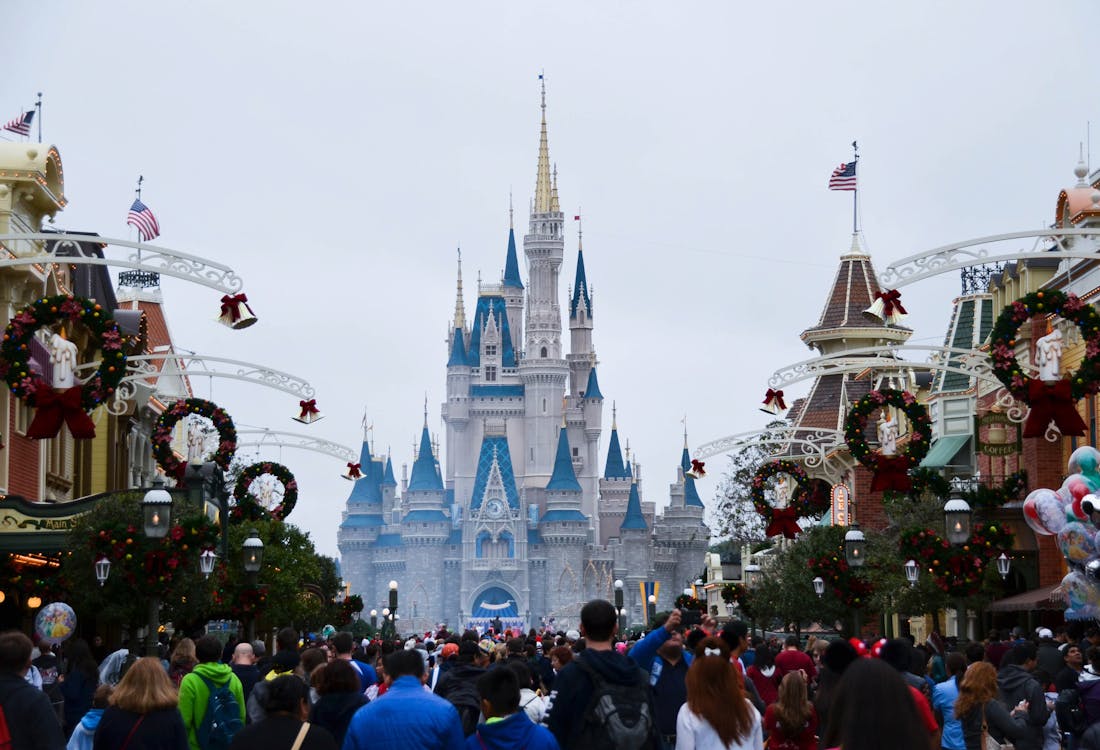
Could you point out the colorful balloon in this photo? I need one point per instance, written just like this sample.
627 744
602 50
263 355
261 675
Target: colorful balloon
1043 512
55 622
1075 486
1076 543
1086 462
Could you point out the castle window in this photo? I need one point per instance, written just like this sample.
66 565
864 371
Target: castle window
490 350
490 373
544 352
576 452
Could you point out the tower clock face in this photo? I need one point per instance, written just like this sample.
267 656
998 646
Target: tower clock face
494 508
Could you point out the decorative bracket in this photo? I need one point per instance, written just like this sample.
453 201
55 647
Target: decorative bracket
1077 243
280 439
815 448
147 258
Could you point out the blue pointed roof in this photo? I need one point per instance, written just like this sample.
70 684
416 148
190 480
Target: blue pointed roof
614 468
685 460
366 490
485 305
629 471
564 479
592 390
424 476
494 446
691 494
458 350
580 288
388 478
634 518
511 263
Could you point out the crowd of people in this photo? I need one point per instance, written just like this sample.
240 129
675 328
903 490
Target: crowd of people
677 687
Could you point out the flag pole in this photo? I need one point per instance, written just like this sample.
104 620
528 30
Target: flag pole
855 193
38 110
141 179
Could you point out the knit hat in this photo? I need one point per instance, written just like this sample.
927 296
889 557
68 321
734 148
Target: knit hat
838 655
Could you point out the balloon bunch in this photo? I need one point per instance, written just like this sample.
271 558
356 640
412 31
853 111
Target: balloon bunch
1071 514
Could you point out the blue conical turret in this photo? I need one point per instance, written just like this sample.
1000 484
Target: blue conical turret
634 520
388 478
614 468
564 479
511 263
691 494
592 390
424 475
458 350
580 289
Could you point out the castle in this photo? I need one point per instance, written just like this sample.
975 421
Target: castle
520 525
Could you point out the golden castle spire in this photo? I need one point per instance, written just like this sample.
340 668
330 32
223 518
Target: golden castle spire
543 189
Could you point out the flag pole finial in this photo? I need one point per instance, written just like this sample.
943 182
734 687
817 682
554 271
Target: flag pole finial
38 109
137 190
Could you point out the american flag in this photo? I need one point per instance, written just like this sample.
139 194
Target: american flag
21 124
141 217
843 177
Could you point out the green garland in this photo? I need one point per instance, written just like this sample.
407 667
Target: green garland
856 423
957 571
929 480
161 560
15 348
1002 351
807 498
162 434
852 590
249 507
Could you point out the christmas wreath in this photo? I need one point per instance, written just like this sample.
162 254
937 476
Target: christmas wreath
69 406
162 434
1048 401
684 602
808 498
957 571
740 594
890 472
249 507
845 585
161 560
351 606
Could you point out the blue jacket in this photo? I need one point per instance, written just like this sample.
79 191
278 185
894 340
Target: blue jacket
515 731
645 650
407 717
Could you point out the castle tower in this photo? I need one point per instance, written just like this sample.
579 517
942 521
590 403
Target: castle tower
614 486
512 284
563 529
634 563
582 356
362 523
543 369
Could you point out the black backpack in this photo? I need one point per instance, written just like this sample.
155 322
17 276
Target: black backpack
463 696
222 719
1070 712
617 716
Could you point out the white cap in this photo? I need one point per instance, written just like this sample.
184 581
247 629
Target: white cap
573 635
1044 633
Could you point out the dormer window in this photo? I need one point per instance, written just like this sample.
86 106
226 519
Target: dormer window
490 350
490 373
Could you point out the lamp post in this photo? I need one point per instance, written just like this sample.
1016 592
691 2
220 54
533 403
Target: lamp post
619 604
393 606
651 611
855 547
385 622
956 516
752 575
253 549
374 623
156 509
1004 564
912 572
819 586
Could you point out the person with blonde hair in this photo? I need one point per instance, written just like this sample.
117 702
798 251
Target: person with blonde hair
183 660
980 712
143 712
791 722
717 714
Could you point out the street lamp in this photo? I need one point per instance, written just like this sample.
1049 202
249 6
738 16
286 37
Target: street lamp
393 597
619 604
1004 564
374 623
912 572
206 562
652 610
102 569
855 547
752 575
156 509
956 514
386 622
253 549
819 586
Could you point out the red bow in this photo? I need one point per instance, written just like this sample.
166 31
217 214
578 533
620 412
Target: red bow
1052 402
697 468
776 396
891 302
892 473
353 470
231 306
308 407
179 472
784 521
58 407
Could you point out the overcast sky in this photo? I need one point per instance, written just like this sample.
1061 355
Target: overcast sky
335 154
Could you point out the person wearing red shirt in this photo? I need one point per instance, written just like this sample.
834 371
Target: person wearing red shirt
791 722
765 675
792 659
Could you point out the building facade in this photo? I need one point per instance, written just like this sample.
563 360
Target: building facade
517 522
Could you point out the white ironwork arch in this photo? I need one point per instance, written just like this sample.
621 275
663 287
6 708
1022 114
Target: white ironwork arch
816 448
969 362
277 438
1080 243
148 258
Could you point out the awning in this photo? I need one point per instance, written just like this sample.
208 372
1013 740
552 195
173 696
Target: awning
1040 598
944 451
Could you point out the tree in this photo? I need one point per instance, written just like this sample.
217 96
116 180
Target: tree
785 596
734 515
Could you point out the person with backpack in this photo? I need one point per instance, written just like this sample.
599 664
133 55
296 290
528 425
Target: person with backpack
717 714
284 726
407 716
602 699
211 699
506 725
142 712
27 718
458 685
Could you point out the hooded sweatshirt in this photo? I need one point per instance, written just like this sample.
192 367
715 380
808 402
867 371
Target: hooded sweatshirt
85 731
1017 685
1088 685
511 732
333 711
194 695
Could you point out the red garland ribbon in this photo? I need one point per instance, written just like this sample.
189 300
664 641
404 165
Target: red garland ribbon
1052 402
777 397
891 302
353 470
891 473
179 472
60 407
784 521
231 306
308 407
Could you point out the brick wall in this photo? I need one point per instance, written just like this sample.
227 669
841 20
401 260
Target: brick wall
24 469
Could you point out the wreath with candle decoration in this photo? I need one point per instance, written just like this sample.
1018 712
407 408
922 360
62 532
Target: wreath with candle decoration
15 349
249 507
856 424
166 422
808 498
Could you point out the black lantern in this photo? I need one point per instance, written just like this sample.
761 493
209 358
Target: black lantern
253 552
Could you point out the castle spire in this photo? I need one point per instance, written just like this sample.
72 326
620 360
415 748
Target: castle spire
542 179
554 205
460 306
511 259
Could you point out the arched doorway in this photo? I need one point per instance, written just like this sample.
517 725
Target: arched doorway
496 607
